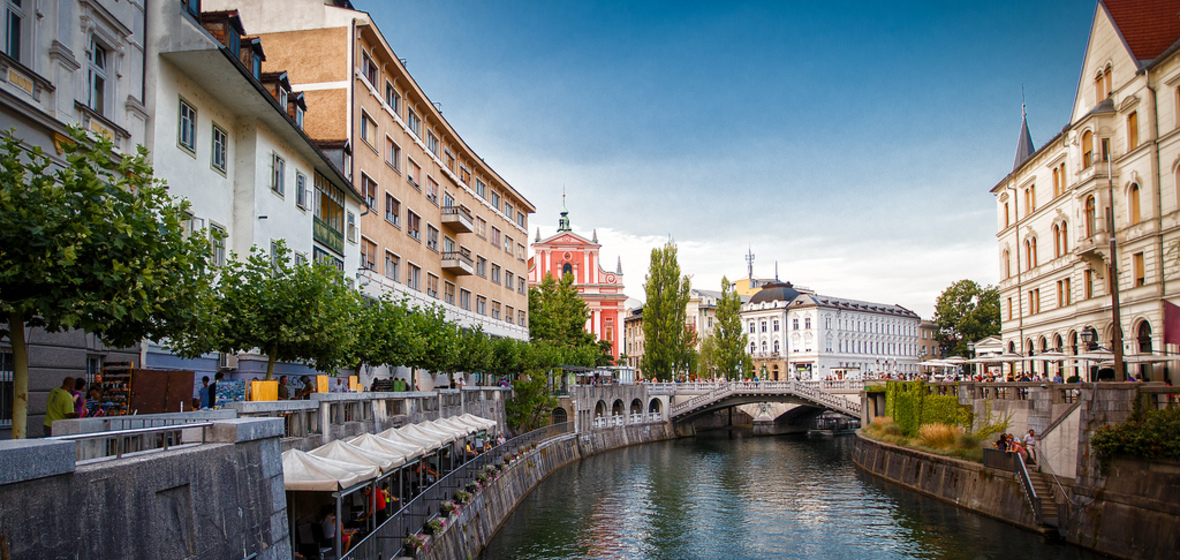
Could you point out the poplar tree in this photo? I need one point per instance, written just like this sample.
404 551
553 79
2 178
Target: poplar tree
731 339
666 335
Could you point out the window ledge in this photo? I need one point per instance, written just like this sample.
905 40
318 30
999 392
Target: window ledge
94 122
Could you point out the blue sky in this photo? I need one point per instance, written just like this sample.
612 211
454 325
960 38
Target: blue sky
854 143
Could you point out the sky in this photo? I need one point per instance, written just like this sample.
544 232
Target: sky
853 144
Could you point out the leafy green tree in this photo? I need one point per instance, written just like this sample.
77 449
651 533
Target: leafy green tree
383 334
288 312
966 312
557 314
438 342
666 335
96 244
475 354
732 359
606 356
531 403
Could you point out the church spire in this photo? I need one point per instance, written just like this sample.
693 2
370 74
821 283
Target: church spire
1024 144
619 268
594 235
563 224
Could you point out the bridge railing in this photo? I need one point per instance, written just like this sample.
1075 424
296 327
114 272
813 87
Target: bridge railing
809 390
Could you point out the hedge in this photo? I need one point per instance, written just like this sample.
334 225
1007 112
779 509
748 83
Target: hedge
911 405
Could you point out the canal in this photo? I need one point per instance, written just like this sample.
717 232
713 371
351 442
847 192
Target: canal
731 496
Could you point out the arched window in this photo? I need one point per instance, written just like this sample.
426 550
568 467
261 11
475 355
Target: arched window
1007 264
1060 239
1106 85
567 268
1133 202
1056 240
1091 215
1087 149
1030 253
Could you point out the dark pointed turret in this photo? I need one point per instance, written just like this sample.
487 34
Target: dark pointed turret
1024 145
619 268
563 223
594 235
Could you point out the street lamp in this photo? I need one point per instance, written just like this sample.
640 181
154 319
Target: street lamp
971 349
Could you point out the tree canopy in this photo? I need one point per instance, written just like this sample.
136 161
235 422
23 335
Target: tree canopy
557 314
731 339
667 339
95 244
966 312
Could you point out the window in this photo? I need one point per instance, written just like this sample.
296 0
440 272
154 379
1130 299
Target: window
1060 239
1034 301
393 99
510 315
218 157
1088 283
431 237
1137 264
481 305
1007 215
368 130
274 255
794 324
464 175
415 123
300 190
1091 215
393 210
369 190
1010 316
509 280
414 278
278 172
352 227
96 76
1133 202
481 189
495 200
520 251
414 174
449 160
465 300
807 322
393 154
1087 149
520 318
521 287
187 135
481 227
15 28
509 210
432 285
392 264
520 219
449 293
432 142
413 225
1007 263
300 258
1063 292
368 69
448 244
329 208
1030 253
1132 131
763 325
508 244
368 254
496 310
217 240
776 325
496 236
496 273
481 267
1030 200
431 190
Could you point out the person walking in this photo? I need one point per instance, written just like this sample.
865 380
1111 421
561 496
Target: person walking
203 393
213 389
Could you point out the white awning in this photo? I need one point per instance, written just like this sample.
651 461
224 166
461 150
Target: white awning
346 452
441 438
479 421
427 444
407 451
304 471
459 428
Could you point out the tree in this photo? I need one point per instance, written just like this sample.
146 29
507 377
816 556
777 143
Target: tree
731 357
97 245
664 327
289 312
531 402
966 312
557 314
383 334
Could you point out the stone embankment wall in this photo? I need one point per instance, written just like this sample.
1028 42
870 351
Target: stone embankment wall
223 499
988 491
470 530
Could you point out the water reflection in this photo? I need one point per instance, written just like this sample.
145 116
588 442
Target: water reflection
734 497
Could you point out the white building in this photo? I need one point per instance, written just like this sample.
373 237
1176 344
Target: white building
229 138
1120 150
795 333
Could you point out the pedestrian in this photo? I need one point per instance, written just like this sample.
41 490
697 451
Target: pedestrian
284 393
213 389
307 389
1030 444
94 401
204 392
60 405
339 387
79 395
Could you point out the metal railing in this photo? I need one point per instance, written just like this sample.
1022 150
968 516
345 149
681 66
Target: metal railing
1030 493
103 445
387 539
809 390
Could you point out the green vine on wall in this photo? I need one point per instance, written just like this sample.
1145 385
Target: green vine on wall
911 405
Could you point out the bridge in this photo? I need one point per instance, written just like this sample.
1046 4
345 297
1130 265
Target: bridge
732 393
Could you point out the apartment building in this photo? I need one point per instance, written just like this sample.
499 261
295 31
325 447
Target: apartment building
229 138
440 226
1118 153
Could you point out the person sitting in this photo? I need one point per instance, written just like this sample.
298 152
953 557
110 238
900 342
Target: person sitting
1014 446
1002 442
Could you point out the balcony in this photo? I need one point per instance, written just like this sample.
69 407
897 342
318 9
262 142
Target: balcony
458 219
458 263
327 235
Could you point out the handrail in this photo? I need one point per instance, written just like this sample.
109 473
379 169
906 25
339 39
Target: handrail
121 437
809 390
1044 464
1030 493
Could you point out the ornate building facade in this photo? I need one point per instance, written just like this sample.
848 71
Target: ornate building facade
569 253
1114 163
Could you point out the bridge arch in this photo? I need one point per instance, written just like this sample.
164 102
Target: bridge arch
636 406
655 406
600 409
617 408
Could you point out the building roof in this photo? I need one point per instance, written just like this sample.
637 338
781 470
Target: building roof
1149 27
775 291
1024 144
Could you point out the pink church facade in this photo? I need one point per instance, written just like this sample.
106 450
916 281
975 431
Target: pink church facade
569 253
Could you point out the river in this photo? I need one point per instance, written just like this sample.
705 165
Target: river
730 496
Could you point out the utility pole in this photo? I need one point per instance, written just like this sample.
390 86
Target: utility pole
1117 335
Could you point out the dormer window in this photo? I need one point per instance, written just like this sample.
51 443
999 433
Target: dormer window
299 116
282 96
193 7
251 56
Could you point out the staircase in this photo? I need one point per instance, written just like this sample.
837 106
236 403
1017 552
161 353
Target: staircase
1044 490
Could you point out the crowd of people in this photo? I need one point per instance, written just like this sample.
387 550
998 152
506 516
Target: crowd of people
1026 447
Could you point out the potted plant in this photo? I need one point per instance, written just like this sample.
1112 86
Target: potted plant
416 543
435 526
482 478
462 497
448 507
472 487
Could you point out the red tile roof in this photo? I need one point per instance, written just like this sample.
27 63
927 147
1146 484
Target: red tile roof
1149 26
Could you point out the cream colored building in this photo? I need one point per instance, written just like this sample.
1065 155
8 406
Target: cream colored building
1120 150
441 226
633 336
927 343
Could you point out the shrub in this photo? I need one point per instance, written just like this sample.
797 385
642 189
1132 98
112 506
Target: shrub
938 435
968 441
1150 435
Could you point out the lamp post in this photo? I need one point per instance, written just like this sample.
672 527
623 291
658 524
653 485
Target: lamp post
1117 335
971 349
1089 339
